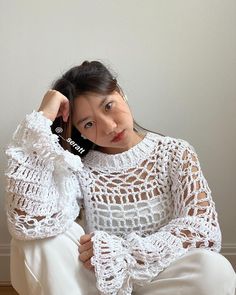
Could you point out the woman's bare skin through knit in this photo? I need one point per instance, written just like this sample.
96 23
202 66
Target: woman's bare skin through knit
148 207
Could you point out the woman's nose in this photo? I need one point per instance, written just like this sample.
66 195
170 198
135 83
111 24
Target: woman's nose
108 125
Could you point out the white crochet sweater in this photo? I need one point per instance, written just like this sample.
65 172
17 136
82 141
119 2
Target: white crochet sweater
146 206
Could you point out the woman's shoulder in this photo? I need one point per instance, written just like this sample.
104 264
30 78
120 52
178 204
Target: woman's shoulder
170 142
174 150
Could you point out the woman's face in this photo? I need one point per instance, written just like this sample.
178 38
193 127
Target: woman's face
105 120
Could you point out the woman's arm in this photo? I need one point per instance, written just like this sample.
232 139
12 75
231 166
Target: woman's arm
120 262
42 187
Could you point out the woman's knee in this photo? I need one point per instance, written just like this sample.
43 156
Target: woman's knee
39 258
35 252
216 273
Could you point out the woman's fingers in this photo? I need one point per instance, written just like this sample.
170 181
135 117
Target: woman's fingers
86 250
65 109
85 238
86 255
88 265
85 246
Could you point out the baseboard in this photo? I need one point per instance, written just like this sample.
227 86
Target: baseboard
5 284
228 250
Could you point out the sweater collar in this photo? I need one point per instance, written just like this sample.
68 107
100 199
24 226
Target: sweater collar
125 160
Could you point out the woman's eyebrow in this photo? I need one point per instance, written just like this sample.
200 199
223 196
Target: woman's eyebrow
82 120
100 105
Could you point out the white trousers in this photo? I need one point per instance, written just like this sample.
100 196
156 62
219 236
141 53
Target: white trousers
52 267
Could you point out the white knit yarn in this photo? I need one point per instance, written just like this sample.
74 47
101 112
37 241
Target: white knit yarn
146 206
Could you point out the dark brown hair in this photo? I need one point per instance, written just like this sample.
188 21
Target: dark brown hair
80 80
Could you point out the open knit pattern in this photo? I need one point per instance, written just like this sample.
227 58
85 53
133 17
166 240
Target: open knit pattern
146 206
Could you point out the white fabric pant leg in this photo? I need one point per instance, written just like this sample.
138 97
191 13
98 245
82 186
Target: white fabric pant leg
51 266
199 272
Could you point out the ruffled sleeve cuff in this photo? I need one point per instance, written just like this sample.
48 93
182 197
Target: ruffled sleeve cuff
34 135
120 263
112 262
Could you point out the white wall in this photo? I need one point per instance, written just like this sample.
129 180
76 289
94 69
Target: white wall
175 59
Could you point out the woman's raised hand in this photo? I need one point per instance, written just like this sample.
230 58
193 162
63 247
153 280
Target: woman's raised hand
55 104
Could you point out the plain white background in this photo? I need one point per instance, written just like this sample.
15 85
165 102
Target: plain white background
176 61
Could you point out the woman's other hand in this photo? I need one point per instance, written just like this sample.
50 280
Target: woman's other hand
55 104
86 251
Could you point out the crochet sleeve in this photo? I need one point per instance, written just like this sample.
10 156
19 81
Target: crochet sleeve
121 262
42 187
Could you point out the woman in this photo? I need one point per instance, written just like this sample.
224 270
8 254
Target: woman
150 221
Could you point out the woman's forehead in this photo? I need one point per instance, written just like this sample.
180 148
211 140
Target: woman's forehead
87 105
91 100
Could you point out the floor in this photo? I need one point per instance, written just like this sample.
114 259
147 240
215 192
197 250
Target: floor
7 291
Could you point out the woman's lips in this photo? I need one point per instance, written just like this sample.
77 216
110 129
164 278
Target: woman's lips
118 137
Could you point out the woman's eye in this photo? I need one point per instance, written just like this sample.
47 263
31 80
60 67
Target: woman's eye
88 125
108 106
